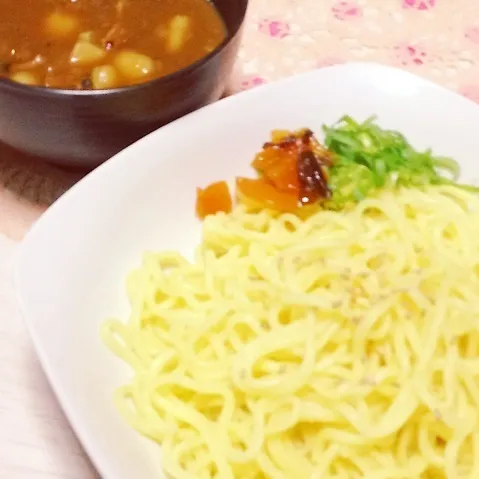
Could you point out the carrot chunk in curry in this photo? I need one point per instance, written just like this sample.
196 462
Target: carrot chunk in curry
213 199
99 44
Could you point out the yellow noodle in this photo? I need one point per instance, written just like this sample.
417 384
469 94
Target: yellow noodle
342 346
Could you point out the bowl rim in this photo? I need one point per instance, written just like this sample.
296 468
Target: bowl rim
9 85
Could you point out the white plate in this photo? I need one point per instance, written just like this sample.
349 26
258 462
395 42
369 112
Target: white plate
71 268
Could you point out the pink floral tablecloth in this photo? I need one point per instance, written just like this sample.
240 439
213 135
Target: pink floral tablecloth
438 39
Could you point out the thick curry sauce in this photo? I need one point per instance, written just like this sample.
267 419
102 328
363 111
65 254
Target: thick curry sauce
83 44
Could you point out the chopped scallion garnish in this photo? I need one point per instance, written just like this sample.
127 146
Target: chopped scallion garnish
369 157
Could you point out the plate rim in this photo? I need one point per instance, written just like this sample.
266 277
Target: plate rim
119 161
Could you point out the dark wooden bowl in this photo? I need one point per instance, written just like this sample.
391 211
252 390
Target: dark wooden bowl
84 128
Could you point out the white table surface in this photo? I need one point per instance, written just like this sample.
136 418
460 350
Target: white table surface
35 438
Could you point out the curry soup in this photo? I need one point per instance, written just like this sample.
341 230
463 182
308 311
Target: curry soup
97 44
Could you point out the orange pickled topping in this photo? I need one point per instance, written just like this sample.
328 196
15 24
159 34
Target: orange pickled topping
279 167
213 199
269 157
284 175
258 193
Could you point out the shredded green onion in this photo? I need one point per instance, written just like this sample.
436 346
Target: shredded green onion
369 158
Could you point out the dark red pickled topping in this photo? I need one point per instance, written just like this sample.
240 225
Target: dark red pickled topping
313 184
